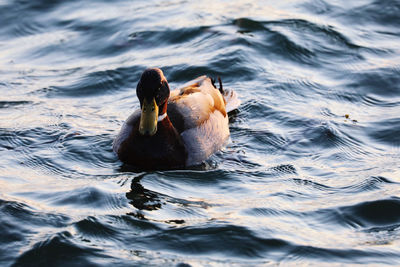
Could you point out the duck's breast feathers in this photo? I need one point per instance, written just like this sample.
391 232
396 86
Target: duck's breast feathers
197 100
126 130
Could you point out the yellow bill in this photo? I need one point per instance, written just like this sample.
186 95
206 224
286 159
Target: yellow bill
148 118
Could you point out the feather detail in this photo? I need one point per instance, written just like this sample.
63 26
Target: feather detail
197 100
204 140
232 100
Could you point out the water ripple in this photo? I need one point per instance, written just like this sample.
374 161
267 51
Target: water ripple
309 175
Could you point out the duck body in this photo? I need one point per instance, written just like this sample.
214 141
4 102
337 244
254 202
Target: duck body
174 129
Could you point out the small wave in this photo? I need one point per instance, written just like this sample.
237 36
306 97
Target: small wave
11 104
20 222
300 40
95 83
57 149
27 27
228 240
93 228
372 183
88 198
376 100
272 40
173 36
345 256
381 82
386 131
332 34
377 12
374 213
369 184
42 252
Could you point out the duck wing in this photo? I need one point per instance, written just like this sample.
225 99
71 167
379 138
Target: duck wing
197 111
193 103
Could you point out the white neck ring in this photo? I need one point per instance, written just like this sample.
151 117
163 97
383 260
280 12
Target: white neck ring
162 116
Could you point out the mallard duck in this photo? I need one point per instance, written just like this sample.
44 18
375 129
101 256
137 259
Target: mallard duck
175 129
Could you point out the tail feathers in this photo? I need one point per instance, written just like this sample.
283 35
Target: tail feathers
230 96
221 89
232 100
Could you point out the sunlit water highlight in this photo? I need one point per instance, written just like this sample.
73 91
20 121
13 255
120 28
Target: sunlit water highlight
311 174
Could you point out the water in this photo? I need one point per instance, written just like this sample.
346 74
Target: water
311 175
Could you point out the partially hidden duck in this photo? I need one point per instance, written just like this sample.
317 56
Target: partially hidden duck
175 129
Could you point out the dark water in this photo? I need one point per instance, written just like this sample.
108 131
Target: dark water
311 175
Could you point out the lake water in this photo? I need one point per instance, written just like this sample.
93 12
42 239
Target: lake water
312 172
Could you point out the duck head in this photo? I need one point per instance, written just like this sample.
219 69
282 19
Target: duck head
153 92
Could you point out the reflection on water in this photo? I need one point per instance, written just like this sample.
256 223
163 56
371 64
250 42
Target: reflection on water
142 198
310 175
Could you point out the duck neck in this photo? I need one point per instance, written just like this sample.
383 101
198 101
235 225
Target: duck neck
163 107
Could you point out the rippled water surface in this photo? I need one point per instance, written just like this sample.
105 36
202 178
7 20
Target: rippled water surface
311 175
